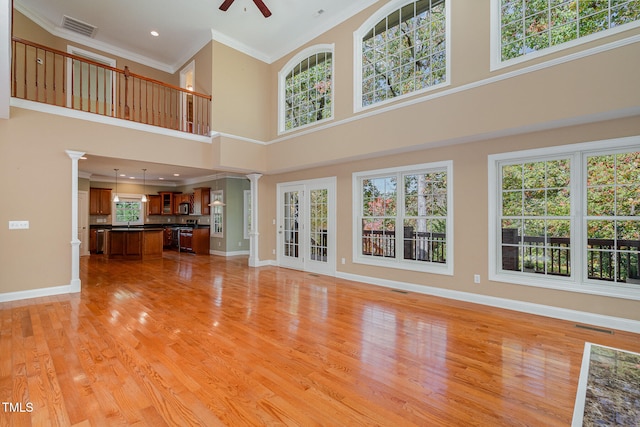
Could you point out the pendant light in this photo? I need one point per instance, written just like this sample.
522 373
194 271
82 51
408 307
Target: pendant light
116 199
217 202
144 186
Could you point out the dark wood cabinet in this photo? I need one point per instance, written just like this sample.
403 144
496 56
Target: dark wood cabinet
167 237
154 205
201 241
167 202
201 200
93 241
99 201
125 244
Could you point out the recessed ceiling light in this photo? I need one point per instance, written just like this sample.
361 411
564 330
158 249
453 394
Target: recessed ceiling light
154 33
176 174
122 174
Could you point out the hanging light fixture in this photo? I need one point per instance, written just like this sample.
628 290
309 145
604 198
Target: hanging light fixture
217 202
144 186
116 199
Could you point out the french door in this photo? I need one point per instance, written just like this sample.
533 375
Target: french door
306 226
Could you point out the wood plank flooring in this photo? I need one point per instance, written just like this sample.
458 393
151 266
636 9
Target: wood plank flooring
198 340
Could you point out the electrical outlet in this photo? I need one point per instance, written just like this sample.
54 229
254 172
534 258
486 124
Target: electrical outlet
343 261
18 225
476 278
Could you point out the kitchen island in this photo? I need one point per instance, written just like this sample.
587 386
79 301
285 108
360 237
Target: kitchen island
134 243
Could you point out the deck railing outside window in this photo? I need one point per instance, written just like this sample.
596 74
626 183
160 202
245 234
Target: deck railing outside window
50 76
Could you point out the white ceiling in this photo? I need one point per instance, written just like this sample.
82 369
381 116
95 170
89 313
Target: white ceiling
101 169
185 26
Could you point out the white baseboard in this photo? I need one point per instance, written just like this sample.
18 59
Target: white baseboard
611 322
229 254
37 293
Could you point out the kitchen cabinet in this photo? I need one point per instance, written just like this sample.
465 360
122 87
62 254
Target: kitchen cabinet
134 244
201 200
200 241
182 198
99 201
167 237
154 205
167 202
124 244
93 241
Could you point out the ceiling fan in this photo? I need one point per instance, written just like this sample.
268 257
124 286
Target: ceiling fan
263 8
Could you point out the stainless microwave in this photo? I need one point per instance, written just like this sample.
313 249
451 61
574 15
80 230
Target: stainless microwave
183 208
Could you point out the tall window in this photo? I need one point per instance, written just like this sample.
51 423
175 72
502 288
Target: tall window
402 50
217 214
527 26
569 217
306 88
404 217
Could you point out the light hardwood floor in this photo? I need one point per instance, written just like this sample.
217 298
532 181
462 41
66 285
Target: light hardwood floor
198 340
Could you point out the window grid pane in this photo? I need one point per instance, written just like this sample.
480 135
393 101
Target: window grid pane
379 197
613 220
308 95
404 52
425 222
530 26
535 217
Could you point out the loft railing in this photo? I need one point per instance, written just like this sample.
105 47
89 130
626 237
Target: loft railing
50 76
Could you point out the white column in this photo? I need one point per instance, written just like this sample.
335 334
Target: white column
5 57
254 259
75 242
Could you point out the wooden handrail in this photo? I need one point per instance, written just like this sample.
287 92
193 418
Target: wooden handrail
112 92
107 67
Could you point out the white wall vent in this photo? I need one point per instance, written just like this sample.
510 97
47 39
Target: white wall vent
77 26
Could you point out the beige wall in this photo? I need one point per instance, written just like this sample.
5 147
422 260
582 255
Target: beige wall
567 103
470 219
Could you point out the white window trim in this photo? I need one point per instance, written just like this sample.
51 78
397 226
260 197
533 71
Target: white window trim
411 265
496 52
357 55
131 197
212 227
577 282
282 75
246 209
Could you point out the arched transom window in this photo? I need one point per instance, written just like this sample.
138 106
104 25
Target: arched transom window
403 49
306 84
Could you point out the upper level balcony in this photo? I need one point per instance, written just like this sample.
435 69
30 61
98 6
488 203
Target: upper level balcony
46 75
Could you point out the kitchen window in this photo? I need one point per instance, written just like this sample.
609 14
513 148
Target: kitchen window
128 211
568 217
404 217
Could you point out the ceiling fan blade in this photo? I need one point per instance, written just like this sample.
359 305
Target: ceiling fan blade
263 8
224 6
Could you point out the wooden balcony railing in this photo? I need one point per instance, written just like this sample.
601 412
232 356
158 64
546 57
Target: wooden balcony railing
50 76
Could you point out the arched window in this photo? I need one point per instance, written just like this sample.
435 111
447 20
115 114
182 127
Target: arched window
306 88
401 50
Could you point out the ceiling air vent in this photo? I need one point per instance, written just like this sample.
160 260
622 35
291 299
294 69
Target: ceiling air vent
77 26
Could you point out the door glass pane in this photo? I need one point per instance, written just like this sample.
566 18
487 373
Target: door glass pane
318 225
291 210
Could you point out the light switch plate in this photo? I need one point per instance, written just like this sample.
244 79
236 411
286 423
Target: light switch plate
18 225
